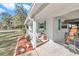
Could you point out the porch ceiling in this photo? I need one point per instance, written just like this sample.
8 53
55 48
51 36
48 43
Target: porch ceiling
37 7
57 9
53 10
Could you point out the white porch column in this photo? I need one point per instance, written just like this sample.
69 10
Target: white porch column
34 34
32 30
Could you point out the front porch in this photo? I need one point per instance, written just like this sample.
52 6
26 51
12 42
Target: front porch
50 17
50 49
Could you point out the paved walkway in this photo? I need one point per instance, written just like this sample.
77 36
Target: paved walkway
51 49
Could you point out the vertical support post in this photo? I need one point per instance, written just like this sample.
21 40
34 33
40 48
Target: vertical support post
34 34
32 31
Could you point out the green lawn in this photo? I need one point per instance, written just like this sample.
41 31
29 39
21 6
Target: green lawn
8 43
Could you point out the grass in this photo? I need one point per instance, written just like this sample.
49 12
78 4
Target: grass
8 43
6 34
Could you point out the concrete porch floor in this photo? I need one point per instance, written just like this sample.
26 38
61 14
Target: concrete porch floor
50 49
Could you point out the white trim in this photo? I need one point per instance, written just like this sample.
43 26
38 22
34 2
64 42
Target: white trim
34 34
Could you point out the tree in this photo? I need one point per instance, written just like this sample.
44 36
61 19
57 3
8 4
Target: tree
19 18
6 23
0 25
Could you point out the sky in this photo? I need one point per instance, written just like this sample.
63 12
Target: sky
10 7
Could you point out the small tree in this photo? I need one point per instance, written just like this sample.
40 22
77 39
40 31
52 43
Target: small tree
19 18
6 20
